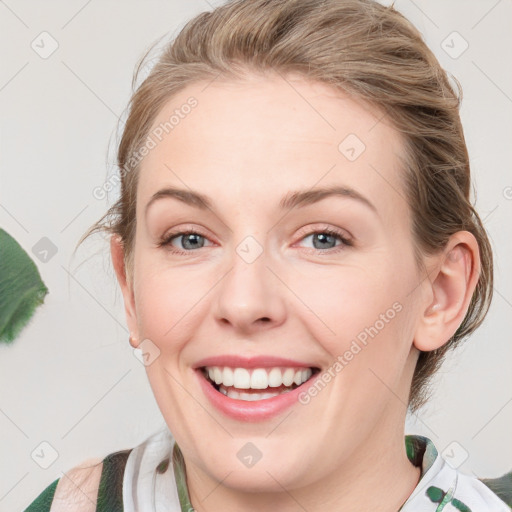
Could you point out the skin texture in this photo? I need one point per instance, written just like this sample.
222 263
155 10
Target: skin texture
246 145
77 490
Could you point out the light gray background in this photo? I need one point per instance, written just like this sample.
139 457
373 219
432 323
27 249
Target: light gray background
71 379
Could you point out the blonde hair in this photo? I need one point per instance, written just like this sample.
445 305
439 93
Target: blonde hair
363 48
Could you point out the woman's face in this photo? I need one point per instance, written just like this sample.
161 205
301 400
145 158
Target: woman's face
261 278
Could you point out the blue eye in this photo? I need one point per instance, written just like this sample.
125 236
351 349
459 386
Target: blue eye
328 236
192 240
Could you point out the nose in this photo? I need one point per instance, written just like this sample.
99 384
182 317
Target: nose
250 297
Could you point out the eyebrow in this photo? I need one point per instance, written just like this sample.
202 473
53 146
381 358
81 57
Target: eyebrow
298 198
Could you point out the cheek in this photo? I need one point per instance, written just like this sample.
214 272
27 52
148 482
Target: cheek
172 302
350 303
362 320
164 301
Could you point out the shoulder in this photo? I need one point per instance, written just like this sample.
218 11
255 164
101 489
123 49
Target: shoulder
443 486
94 484
473 493
77 489
501 486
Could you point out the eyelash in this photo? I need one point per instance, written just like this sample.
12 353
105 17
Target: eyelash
346 242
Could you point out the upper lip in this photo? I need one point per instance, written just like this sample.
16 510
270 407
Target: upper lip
263 361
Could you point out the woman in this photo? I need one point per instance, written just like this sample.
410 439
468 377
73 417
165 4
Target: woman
297 251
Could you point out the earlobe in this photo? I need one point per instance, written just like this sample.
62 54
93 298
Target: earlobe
451 285
133 341
118 261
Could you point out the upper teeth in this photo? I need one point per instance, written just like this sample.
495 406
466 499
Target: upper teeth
258 378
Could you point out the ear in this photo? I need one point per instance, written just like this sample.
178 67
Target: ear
450 287
118 260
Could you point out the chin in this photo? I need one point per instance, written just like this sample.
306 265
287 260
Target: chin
263 480
268 474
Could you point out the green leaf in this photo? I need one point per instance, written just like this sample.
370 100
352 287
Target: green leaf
21 288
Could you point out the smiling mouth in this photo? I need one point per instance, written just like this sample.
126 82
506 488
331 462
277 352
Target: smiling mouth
258 383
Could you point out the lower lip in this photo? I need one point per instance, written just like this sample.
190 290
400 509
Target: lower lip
258 410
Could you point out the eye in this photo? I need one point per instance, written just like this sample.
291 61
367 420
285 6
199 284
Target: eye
323 240
191 240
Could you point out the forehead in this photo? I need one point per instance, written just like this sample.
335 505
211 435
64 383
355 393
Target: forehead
268 134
